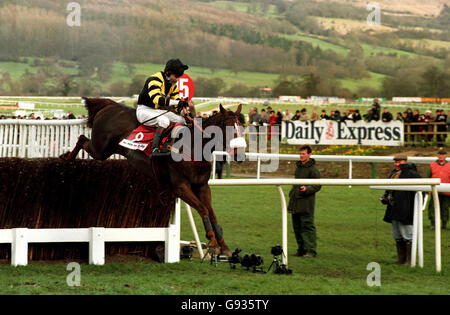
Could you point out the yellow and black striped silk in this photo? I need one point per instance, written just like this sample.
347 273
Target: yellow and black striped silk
155 89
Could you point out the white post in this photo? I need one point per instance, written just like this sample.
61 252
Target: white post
437 226
350 167
19 247
258 170
214 166
194 230
284 225
415 229
2 142
422 205
97 245
172 244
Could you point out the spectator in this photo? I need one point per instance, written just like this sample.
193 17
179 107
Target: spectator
441 118
350 113
336 115
2 117
301 205
409 114
343 117
219 167
400 209
448 120
263 117
415 117
272 118
304 115
251 114
399 116
71 115
429 115
356 116
280 117
297 115
314 115
376 110
288 115
324 115
440 169
387 116
254 118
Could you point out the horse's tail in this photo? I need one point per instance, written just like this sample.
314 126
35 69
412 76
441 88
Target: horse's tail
94 105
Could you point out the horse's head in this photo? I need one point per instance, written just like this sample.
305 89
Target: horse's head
233 132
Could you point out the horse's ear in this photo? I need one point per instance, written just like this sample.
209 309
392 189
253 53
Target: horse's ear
238 111
222 110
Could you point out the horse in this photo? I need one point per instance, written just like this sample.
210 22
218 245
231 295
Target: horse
186 179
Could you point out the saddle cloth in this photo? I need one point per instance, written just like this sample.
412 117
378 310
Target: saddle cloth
141 138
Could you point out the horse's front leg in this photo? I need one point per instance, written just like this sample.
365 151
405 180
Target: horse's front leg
204 195
184 191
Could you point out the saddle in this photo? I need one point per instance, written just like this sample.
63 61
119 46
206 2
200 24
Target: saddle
141 138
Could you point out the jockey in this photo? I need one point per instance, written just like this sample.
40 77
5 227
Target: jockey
160 94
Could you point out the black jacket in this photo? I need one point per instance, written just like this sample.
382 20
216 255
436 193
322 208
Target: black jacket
403 206
303 202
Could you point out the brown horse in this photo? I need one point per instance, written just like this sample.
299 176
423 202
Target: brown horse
187 179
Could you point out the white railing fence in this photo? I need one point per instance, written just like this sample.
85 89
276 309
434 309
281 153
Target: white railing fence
42 138
350 159
97 236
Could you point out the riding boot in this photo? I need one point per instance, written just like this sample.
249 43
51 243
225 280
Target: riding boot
401 253
155 150
408 253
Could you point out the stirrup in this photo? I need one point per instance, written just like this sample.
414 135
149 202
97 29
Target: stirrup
157 153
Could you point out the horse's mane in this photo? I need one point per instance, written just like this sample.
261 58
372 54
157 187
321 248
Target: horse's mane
94 105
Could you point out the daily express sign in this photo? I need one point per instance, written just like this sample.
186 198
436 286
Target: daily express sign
325 132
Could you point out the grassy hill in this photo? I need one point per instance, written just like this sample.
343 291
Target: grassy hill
247 43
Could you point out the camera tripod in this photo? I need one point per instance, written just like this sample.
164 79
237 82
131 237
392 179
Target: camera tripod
214 258
279 268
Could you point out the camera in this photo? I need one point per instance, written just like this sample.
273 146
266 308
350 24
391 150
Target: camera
235 258
388 199
277 250
253 261
186 252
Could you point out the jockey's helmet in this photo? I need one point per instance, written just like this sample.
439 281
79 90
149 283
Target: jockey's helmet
175 66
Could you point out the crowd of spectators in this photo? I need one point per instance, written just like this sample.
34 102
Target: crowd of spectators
32 116
269 116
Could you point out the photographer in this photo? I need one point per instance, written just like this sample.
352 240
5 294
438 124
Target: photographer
400 209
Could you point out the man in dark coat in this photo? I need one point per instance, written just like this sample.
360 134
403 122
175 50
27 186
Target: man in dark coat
301 205
400 209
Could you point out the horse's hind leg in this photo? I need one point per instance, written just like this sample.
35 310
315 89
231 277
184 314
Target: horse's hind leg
204 195
82 143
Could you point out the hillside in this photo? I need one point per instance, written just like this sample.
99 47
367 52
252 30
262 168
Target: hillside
234 47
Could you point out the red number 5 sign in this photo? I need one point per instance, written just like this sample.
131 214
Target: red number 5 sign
186 87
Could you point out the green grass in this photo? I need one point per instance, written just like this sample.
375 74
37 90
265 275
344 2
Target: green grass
244 7
322 44
374 82
372 50
350 230
248 78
